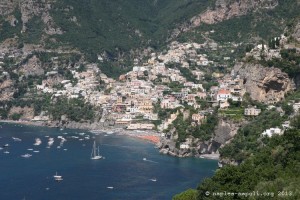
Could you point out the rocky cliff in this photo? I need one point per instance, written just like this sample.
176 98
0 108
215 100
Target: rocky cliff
227 9
29 9
267 85
223 133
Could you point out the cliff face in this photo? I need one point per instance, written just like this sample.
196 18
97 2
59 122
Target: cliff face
296 33
223 133
267 85
227 9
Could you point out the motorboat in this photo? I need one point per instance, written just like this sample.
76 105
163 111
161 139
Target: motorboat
27 155
38 141
6 145
16 139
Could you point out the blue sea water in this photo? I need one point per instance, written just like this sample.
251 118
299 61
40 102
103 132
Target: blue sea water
84 179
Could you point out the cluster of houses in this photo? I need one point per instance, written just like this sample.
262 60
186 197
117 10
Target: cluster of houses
130 101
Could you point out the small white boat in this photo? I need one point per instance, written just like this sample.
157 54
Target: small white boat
144 159
30 149
36 151
6 152
58 147
57 177
95 152
27 155
6 145
38 141
81 134
50 142
110 187
153 179
16 139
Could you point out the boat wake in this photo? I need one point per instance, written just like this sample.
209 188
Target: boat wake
146 160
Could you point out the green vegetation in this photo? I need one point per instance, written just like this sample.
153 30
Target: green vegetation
190 194
15 116
119 26
272 167
249 138
75 110
34 31
289 63
9 31
185 128
265 24
235 114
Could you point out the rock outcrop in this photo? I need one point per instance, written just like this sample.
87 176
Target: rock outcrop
267 85
26 113
296 33
223 133
6 89
32 67
226 9
29 9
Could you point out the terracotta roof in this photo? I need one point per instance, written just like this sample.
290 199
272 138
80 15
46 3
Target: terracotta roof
222 91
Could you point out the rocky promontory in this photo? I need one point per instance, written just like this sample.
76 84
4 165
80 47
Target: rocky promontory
264 84
223 133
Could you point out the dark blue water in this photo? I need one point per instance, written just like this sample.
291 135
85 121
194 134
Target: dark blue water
123 167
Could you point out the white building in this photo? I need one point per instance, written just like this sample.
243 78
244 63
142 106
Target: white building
223 95
272 131
252 111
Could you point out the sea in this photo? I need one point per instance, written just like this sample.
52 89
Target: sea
131 169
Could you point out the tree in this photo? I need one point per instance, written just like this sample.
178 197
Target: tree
190 194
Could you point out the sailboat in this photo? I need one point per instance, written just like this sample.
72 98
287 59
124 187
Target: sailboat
95 152
57 177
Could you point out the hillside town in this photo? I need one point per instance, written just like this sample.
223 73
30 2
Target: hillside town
167 82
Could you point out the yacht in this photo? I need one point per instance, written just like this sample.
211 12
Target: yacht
50 141
27 155
16 139
57 177
95 152
6 145
38 141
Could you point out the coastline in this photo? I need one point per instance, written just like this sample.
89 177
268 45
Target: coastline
149 135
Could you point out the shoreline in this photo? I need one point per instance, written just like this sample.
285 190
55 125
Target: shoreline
151 136
145 135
